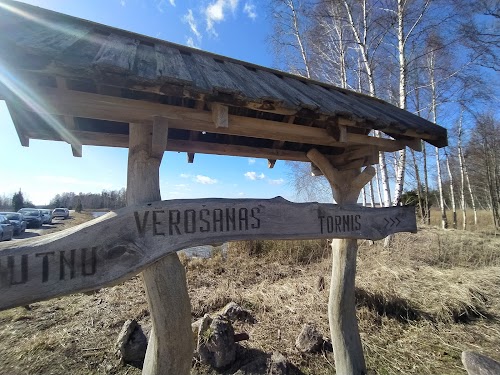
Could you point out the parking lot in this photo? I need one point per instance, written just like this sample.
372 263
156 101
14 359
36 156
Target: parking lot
57 224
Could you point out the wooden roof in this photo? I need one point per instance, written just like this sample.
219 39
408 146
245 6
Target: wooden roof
73 80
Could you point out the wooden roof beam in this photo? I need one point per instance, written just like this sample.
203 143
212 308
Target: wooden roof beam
160 136
76 147
81 104
121 140
413 144
220 114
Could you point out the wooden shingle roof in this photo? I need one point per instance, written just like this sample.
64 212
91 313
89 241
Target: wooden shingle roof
73 80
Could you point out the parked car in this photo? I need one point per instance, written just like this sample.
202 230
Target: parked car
7 229
60 212
33 217
47 216
17 220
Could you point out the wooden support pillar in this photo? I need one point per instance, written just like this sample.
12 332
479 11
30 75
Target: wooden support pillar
170 347
348 351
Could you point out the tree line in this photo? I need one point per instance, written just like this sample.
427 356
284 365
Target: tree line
107 199
435 58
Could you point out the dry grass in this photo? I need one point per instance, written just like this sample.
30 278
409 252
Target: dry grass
420 303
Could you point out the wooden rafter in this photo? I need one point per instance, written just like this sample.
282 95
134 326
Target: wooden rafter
88 105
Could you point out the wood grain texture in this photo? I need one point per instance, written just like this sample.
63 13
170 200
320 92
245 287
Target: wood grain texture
122 243
220 115
87 105
344 331
170 347
117 54
170 66
215 75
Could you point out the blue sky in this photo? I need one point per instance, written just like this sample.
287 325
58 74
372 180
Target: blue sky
234 28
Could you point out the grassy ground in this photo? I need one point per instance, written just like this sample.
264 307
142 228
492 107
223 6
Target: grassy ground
420 303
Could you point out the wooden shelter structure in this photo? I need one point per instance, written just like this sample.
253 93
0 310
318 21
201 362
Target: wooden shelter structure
76 81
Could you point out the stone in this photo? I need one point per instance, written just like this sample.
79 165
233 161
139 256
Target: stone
478 364
196 327
132 343
256 367
263 365
216 346
235 312
278 364
309 339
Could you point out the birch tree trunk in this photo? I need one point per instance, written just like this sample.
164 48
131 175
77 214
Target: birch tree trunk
462 181
426 186
472 198
419 187
444 219
171 345
377 177
372 194
452 192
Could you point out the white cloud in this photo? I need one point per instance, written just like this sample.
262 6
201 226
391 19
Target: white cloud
160 5
250 10
185 175
251 161
122 3
193 26
279 181
190 42
216 12
191 21
254 176
205 180
172 2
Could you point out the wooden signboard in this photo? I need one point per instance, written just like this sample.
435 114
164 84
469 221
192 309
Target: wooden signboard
119 245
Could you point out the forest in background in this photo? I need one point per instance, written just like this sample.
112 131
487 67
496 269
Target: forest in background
435 58
106 199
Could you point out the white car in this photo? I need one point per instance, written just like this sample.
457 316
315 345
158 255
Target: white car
47 216
60 213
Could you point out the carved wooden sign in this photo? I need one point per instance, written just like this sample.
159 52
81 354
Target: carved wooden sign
117 246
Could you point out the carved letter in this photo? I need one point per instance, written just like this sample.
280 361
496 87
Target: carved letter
45 264
156 222
254 212
243 216
321 217
174 223
63 261
329 224
24 269
357 219
230 218
207 226
218 220
141 228
189 221
93 261
338 221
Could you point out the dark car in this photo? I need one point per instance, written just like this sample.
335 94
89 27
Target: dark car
33 217
17 220
6 229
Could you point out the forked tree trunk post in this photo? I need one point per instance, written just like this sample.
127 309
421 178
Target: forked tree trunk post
170 347
348 351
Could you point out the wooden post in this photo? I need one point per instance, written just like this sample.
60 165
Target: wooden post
170 347
348 351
